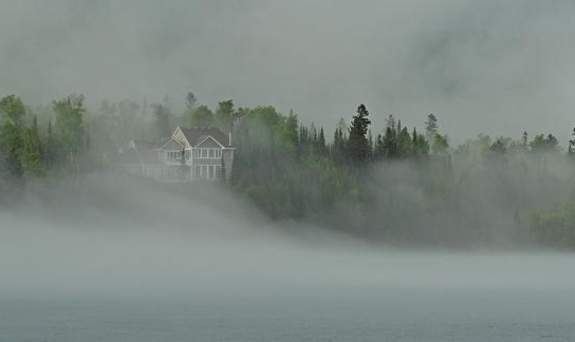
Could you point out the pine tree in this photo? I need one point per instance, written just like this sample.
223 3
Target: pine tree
404 144
431 128
339 145
321 142
389 142
420 144
358 143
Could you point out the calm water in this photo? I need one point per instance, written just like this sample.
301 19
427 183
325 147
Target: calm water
351 314
147 287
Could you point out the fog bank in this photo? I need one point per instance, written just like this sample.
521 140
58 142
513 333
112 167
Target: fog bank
132 238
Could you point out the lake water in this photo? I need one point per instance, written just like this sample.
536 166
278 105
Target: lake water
88 286
297 314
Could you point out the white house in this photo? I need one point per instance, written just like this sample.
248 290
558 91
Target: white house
189 154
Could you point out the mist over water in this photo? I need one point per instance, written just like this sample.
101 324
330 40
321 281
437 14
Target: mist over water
135 261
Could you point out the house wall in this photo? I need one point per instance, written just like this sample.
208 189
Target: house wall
173 170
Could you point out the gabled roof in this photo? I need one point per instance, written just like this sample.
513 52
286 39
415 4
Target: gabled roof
208 141
172 145
196 135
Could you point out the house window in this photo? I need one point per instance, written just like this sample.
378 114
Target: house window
174 155
188 153
204 153
212 153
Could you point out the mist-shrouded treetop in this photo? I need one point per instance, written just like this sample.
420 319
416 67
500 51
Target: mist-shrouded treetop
358 145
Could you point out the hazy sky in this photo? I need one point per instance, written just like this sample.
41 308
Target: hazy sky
495 66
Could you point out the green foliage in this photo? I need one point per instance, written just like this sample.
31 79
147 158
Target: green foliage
291 170
224 115
398 143
358 144
555 227
69 124
31 154
338 149
500 146
202 117
13 108
440 144
286 168
12 112
542 143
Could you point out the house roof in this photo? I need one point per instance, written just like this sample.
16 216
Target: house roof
172 145
197 135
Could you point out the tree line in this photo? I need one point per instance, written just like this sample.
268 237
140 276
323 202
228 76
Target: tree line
289 169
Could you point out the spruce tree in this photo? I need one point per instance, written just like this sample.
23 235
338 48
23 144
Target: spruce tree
389 143
321 141
358 142
431 128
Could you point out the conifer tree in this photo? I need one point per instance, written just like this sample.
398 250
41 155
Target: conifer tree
431 127
321 142
358 142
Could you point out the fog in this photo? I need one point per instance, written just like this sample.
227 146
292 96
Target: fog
472 63
110 258
130 237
